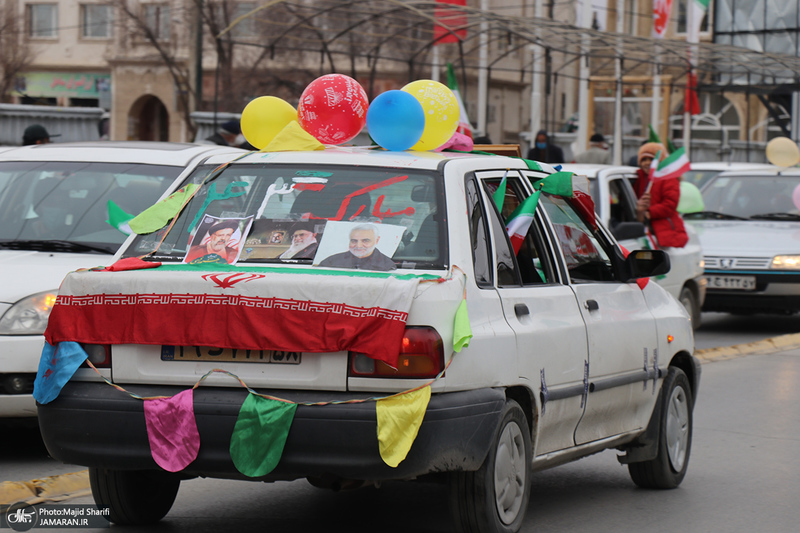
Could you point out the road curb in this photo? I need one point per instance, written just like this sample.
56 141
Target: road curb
780 343
53 488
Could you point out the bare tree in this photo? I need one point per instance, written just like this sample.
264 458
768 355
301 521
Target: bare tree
165 32
15 54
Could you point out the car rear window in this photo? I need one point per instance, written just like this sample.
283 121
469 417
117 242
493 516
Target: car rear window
273 206
76 201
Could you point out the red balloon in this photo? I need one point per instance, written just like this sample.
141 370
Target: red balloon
333 108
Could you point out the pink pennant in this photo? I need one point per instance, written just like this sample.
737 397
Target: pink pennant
172 430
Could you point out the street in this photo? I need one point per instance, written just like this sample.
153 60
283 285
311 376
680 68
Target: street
743 471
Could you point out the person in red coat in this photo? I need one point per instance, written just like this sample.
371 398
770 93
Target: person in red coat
658 202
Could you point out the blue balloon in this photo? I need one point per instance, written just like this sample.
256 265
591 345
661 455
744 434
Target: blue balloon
395 120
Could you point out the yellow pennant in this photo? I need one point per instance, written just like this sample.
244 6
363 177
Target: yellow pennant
293 138
399 418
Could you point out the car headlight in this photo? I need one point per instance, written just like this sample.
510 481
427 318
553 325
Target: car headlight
786 262
29 315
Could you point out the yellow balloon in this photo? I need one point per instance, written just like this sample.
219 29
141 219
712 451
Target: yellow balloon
264 117
441 112
783 152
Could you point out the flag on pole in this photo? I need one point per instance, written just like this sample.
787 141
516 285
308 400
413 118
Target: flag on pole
698 8
450 26
499 195
464 126
654 138
692 103
673 166
520 220
661 11
118 218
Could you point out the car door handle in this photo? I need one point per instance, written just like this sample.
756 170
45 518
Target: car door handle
591 305
521 310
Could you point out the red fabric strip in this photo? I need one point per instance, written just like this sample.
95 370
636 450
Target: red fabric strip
200 321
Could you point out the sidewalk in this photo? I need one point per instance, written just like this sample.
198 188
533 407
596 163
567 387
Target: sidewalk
76 484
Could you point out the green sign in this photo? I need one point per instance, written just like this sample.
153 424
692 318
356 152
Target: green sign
72 84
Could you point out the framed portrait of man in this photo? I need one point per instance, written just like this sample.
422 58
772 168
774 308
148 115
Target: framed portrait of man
218 240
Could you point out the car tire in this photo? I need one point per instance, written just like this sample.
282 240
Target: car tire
689 302
134 497
494 498
667 470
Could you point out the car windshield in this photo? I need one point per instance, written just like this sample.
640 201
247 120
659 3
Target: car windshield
323 215
74 206
699 178
752 196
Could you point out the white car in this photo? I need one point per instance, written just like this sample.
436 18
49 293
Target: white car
615 201
750 231
330 290
53 219
700 173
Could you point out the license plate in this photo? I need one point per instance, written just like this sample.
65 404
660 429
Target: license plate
227 355
740 283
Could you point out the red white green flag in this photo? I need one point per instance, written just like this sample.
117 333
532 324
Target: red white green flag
245 309
673 166
520 220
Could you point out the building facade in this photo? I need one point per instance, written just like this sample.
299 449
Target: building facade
151 63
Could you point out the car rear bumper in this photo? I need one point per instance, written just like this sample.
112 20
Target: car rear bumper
95 425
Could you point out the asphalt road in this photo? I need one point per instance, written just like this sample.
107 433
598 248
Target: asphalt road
743 473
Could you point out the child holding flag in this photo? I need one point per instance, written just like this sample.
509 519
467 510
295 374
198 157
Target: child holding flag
658 190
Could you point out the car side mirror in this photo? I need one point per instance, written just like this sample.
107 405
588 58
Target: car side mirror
646 263
628 230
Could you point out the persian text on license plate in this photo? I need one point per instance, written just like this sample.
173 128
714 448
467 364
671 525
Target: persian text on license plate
741 283
205 353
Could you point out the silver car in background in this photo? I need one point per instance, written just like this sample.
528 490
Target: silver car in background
750 232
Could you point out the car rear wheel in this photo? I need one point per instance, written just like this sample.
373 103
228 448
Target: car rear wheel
134 497
494 498
689 302
667 470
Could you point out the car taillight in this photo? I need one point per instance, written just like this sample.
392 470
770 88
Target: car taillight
421 356
99 355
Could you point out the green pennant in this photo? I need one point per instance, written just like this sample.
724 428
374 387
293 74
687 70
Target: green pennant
558 184
260 434
157 216
462 331
532 165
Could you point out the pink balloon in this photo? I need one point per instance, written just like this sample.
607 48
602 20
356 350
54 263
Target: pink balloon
796 197
333 108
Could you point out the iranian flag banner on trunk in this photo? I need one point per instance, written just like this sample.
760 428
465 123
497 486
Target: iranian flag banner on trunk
673 166
245 309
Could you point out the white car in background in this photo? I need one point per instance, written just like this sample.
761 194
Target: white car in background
615 203
700 173
750 231
53 219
